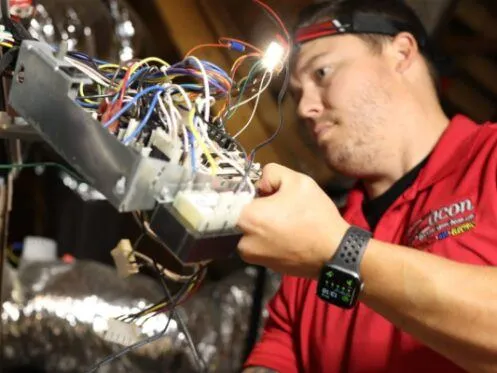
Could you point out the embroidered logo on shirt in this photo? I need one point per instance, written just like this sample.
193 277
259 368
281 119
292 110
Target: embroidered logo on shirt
448 221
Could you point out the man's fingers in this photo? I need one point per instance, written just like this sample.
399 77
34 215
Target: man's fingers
273 176
246 244
253 215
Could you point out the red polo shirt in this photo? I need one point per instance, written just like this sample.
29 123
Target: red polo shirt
450 210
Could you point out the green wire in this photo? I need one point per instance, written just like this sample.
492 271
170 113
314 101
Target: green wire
253 70
41 164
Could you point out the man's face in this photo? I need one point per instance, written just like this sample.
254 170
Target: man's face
344 91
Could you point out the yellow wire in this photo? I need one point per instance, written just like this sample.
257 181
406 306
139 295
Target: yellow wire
11 256
7 45
82 94
157 307
112 66
146 61
204 148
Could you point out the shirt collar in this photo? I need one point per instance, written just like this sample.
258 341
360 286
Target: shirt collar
453 148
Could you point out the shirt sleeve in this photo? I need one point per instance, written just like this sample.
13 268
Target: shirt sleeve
276 348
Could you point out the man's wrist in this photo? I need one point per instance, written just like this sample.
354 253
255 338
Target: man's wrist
330 246
371 266
340 280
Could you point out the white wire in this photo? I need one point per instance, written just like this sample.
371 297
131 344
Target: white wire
88 71
7 37
254 110
162 105
183 93
170 102
223 155
165 117
207 98
175 115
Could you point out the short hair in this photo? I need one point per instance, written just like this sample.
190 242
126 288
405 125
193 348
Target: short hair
394 10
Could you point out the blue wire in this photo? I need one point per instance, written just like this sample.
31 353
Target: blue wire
216 68
133 102
191 139
145 120
86 57
131 80
87 105
193 87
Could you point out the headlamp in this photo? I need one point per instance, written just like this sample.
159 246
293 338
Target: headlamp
358 23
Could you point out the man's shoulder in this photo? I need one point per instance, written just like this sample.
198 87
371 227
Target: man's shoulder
486 132
484 142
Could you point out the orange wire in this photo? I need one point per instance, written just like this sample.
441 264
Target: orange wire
218 45
239 61
221 111
275 15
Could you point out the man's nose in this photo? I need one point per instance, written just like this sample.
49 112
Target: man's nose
309 106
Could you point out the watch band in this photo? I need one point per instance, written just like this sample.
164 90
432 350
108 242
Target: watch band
351 249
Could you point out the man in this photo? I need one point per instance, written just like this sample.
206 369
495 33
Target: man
425 280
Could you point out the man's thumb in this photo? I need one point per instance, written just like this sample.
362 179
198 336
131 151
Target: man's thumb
272 180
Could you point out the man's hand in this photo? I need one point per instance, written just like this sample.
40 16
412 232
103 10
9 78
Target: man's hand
293 228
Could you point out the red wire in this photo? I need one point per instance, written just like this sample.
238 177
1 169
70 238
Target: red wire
275 15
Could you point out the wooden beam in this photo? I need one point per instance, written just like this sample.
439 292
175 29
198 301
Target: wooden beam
431 12
458 45
477 17
187 27
470 100
481 69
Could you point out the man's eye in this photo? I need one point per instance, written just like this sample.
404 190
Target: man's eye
321 73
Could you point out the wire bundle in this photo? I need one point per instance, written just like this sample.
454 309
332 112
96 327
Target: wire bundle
174 112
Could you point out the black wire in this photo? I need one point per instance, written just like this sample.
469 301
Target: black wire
196 354
237 143
96 96
146 341
173 314
281 97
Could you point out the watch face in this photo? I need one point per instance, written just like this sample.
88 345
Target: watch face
338 286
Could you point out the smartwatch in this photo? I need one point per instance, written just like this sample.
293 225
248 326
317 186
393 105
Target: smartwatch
339 281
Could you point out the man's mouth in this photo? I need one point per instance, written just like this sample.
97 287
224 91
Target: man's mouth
321 129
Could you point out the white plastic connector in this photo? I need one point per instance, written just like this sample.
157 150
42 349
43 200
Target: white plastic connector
124 259
170 148
209 211
273 57
122 333
145 152
132 125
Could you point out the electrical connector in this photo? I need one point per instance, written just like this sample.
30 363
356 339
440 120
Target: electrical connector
132 125
239 47
209 211
122 333
124 259
166 145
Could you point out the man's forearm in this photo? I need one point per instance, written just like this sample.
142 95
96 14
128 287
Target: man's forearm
258 370
448 306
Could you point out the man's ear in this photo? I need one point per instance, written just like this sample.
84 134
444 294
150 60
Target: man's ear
405 50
